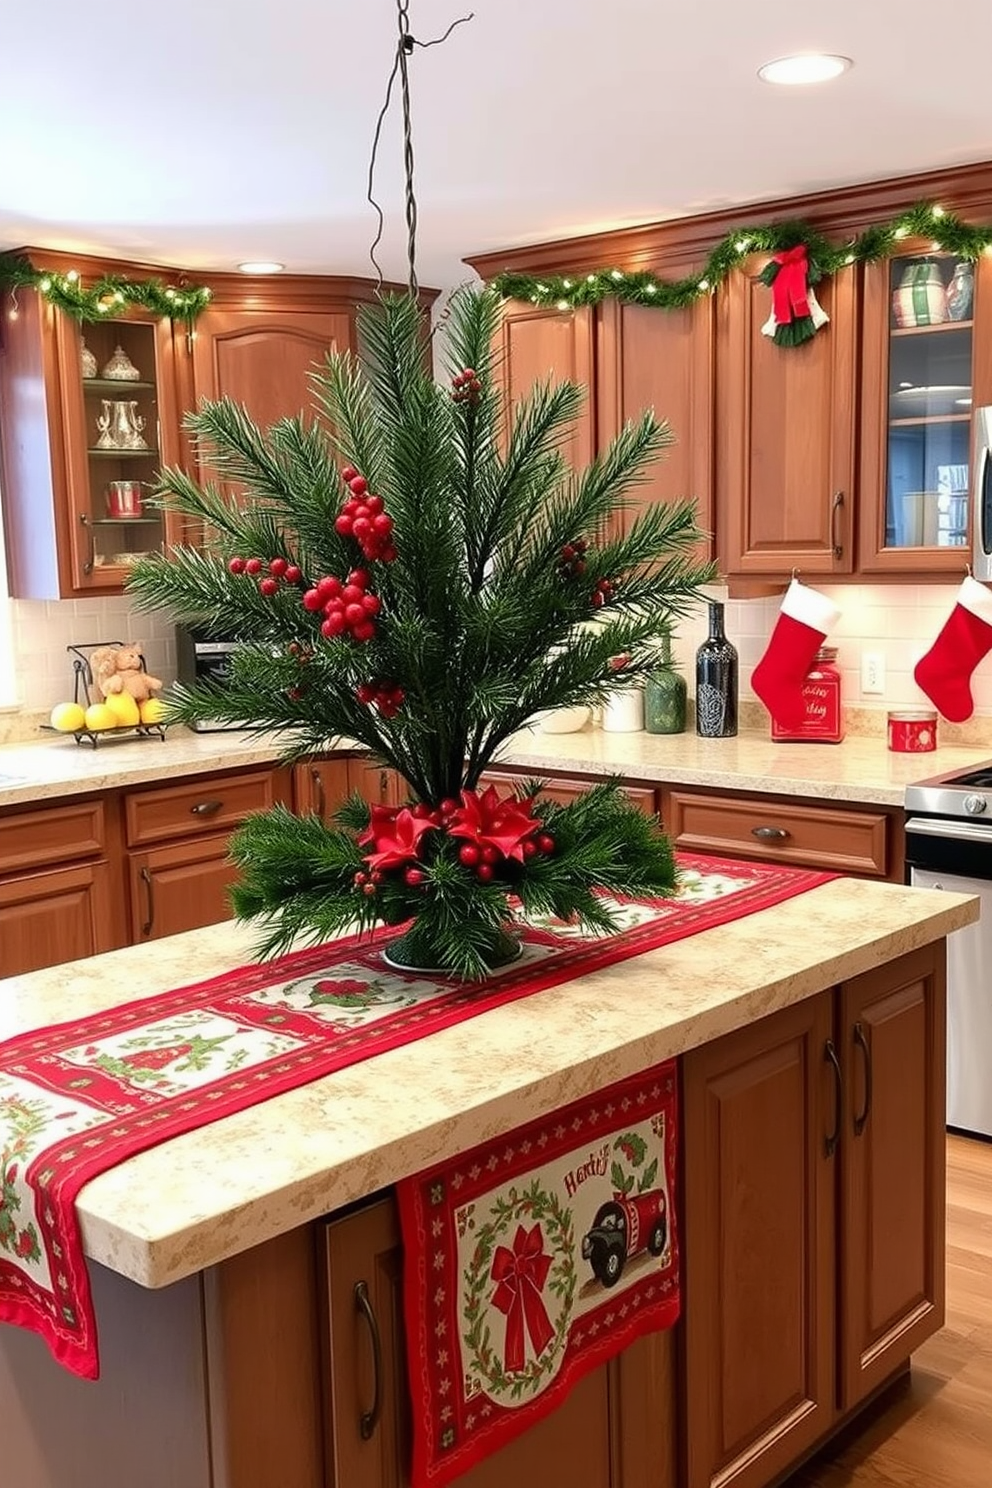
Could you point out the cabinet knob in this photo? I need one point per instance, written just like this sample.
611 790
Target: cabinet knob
205 808
770 834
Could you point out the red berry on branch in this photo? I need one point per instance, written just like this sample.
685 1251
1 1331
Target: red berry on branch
364 632
374 504
342 525
413 878
484 872
359 577
368 888
268 587
351 594
358 485
278 567
351 507
328 587
360 878
354 614
382 525
545 843
348 473
389 554
361 527
469 855
597 600
236 566
253 565
293 573
449 804
371 604
490 854
312 600
334 625
529 848
422 811
365 693
468 373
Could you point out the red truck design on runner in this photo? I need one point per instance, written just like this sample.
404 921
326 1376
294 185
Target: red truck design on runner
623 1227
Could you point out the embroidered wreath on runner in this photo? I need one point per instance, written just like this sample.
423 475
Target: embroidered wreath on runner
541 1210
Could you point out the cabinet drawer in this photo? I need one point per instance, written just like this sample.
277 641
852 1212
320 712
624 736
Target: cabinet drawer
180 886
566 790
37 839
814 836
195 809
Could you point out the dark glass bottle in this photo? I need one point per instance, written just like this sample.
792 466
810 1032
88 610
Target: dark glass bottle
716 681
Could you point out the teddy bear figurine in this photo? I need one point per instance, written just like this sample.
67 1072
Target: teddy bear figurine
118 669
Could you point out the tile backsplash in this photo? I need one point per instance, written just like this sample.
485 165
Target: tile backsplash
897 620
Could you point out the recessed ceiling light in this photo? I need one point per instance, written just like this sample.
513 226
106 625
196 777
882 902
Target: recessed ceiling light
805 67
263 266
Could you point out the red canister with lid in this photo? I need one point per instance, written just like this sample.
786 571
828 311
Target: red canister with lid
913 731
823 720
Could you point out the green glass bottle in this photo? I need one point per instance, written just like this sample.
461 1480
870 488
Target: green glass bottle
665 696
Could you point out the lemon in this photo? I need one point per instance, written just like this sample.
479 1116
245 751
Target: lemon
68 717
99 716
152 710
124 709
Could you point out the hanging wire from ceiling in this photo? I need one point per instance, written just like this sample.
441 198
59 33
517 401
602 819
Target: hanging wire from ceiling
404 50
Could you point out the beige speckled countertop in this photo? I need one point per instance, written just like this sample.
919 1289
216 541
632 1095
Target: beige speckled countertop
859 770
197 1199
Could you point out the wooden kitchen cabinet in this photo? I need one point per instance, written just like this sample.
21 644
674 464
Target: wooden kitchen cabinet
813 1216
540 344
786 432
616 1429
62 445
564 790
178 869
892 1041
59 896
758 1234
662 361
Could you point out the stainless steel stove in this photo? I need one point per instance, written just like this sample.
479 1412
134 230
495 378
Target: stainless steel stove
949 846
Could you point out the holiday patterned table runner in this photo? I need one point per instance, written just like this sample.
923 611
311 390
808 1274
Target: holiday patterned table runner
531 1260
78 1098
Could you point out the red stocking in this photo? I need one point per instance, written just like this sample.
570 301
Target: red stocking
804 619
945 672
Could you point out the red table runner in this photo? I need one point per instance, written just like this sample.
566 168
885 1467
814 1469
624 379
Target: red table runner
78 1098
533 1259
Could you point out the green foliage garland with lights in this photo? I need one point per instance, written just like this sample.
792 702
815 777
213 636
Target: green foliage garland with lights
424 580
110 295
947 232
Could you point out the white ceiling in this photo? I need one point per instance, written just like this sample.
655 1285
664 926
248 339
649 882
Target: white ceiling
204 134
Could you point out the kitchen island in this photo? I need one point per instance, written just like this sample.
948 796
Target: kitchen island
232 1355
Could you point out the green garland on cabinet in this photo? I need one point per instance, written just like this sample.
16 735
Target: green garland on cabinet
947 232
105 297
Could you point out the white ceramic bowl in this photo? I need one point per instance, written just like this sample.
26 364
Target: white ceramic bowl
563 720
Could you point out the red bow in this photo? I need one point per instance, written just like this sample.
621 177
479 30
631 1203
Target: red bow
520 1275
491 821
790 289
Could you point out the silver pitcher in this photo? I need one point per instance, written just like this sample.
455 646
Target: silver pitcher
120 425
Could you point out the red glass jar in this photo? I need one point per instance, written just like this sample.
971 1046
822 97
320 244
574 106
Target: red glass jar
913 731
823 719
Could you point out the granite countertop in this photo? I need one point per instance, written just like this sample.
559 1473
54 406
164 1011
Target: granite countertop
859 770
193 1201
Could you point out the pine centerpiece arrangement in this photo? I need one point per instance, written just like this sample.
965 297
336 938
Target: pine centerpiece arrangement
420 572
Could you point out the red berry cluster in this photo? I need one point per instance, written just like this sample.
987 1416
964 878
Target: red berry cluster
277 571
484 857
346 607
368 882
572 558
466 387
363 518
388 697
602 592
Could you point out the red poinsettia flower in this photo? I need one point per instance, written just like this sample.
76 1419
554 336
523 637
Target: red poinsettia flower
25 1244
397 843
490 821
380 818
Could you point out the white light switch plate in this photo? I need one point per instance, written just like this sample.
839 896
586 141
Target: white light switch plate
872 672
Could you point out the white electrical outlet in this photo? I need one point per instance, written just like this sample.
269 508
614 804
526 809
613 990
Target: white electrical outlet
872 672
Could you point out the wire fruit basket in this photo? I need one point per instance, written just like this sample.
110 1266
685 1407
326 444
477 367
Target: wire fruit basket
85 693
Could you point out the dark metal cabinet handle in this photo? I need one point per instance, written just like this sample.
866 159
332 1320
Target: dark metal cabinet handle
861 1119
770 834
831 1140
835 510
148 882
90 563
318 790
383 787
205 808
369 1420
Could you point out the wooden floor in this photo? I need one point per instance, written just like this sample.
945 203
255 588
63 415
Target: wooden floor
936 1430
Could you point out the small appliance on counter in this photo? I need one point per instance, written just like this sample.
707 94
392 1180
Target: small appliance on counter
201 658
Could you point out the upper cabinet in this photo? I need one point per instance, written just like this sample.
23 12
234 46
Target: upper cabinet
88 416
848 455
544 344
786 434
927 361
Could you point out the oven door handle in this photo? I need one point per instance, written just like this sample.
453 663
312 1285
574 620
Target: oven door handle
960 831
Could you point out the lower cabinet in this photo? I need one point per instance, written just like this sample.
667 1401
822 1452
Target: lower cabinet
615 1430
564 790
64 915
813 1217
321 786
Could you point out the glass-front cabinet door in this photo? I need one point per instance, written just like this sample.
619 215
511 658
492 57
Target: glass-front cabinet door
927 363
121 426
